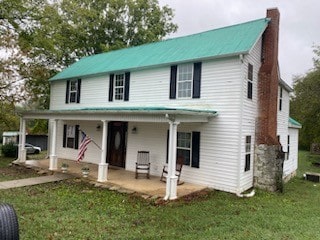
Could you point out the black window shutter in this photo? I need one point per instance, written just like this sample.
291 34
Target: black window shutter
76 137
64 141
78 90
67 91
247 163
173 81
249 91
127 86
195 149
196 80
111 87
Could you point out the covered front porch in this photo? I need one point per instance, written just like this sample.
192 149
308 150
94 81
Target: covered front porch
120 179
159 120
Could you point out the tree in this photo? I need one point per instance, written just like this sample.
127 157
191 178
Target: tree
305 104
52 34
41 37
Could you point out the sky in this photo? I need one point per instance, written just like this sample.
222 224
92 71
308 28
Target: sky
299 25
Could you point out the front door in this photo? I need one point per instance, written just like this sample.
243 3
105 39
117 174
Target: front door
117 139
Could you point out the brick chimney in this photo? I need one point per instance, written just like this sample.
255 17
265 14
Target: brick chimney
268 163
268 82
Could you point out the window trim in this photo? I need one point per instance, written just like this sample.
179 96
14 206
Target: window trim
75 92
185 81
115 87
185 148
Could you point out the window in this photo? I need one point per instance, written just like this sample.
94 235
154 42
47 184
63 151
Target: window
185 75
250 81
73 91
247 153
288 148
280 99
185 81
71 136
184 147
188 146
119 87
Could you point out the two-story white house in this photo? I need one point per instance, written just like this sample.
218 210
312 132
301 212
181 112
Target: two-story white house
196 96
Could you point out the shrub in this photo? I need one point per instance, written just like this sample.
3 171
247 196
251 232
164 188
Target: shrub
10 150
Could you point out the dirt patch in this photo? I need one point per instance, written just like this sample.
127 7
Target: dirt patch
13 172
195 196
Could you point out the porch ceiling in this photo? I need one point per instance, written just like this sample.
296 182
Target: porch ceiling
136 114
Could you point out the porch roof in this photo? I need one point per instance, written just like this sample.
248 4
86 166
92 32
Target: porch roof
139 114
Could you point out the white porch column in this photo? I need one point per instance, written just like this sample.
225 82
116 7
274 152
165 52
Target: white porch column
172 179
22 154
53 156
103 166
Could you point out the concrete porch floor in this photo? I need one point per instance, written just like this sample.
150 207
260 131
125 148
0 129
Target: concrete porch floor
122 180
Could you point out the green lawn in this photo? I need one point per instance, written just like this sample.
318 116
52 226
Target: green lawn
76 210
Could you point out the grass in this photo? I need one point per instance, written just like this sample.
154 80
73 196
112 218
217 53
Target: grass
76 210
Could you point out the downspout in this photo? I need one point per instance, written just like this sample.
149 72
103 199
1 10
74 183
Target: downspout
247 195
240 124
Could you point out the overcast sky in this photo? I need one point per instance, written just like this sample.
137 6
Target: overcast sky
299 25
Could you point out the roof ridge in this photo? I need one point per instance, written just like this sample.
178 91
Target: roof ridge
216 29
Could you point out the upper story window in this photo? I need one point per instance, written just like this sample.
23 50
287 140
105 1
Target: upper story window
250 81
280 98
185 77
73 89
119 85
185 81
247 154
71 136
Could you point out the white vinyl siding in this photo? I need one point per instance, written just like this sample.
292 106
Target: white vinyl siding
221 90
291 164
249 112
283 118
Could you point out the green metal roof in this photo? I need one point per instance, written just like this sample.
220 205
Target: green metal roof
220 42
294 123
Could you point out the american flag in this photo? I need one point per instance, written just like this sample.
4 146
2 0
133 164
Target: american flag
83 146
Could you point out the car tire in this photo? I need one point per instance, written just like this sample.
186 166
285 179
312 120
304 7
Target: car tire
9 227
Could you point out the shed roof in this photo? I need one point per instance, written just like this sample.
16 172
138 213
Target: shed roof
294 124
227 41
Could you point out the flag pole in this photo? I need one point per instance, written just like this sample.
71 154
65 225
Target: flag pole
91 140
